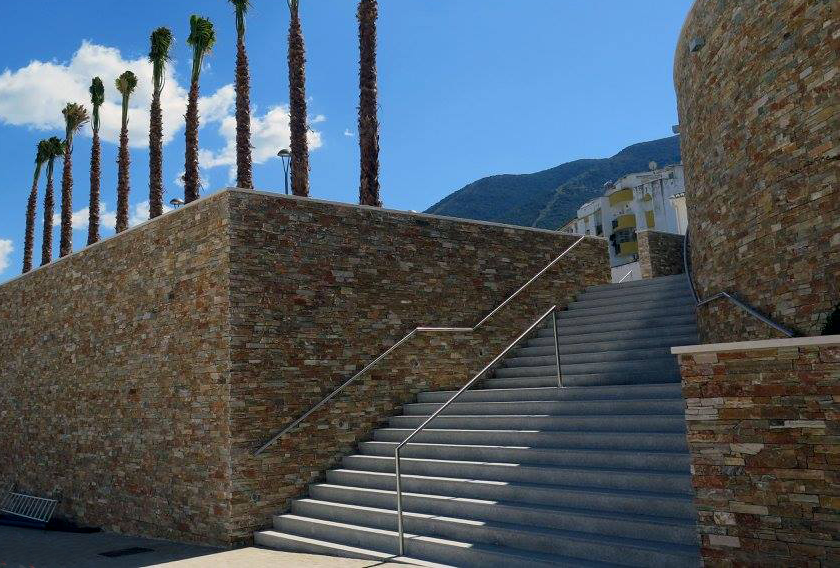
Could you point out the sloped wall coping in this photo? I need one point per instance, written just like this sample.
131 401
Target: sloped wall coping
760 344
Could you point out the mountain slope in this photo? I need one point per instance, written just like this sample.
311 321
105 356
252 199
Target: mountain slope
549 198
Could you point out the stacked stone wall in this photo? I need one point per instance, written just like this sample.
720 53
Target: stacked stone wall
139 375
660 254
760 136
319 291
765 452
114 375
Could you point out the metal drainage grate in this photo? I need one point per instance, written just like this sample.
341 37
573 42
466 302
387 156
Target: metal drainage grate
27 506
125 552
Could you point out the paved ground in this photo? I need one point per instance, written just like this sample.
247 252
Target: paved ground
30 548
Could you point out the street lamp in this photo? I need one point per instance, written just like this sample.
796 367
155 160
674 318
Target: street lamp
175 202
286 158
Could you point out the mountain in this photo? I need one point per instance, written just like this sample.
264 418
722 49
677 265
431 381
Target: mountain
551 197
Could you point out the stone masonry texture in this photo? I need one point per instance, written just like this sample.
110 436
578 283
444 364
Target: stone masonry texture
764 438
140 374
660 254
760 135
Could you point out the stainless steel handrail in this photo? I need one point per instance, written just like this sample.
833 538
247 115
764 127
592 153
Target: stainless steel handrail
551 312
623 278
405 338
750 310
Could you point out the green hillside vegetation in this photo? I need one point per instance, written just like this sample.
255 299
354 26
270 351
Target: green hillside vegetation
549 198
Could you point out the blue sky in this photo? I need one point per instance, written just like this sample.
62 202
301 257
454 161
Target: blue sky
468 88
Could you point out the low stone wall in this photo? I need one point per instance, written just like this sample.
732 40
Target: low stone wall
765 452
660 254
140 374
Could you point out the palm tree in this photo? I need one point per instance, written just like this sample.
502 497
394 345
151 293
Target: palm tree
368 121
32 205
297 104
244 177
126 83
75 116
97 97
54 149
202 37
161 41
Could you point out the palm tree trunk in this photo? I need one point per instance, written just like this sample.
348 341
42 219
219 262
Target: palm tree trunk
123 183
29 236
49 206
297 108
243 118
155 158
191 162
93 208
66 246
368 121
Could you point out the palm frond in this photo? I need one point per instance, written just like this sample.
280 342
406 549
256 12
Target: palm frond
202 38
97 97
54 148
126 83
241 8
43 151
75 116
293 5
161 42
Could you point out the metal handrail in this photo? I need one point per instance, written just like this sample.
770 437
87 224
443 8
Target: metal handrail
406 338
623 278
750 310
551 312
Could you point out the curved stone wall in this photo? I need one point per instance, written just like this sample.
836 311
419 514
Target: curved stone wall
758 87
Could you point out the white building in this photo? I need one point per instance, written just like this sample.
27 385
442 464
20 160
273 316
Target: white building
649 200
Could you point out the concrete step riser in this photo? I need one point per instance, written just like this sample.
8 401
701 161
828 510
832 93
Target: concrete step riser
672 532
291 543
415 548
606 315
553 393
595 479
596 357
677 297
554 408
614 379
674 507
557 440
675 279
517 537
666 462
600 335
607 346
644 294
585 326
670 424
653 365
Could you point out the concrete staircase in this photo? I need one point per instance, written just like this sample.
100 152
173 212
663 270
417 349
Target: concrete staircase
521 473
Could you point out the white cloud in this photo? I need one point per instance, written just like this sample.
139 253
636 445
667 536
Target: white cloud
138 213
6 249
34 95
203 182
269 133
349 133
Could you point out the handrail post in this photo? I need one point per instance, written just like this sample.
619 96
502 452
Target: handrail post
400 531
556 348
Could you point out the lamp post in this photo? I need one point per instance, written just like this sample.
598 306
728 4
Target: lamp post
176 203
286 158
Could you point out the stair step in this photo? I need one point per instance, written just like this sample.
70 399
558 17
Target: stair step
658 529
679 302
675 406
570 543
677 295
620 378
647 283
319 534
632 392
592 357
648 441
571 337
625 423
582 326
570 457
651 365
660 482
603 315
630 344
633 502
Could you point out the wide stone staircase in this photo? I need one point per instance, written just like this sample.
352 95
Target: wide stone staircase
520 472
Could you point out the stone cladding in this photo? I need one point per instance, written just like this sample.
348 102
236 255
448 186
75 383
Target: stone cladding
764 439
760 136
660 254
141 373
